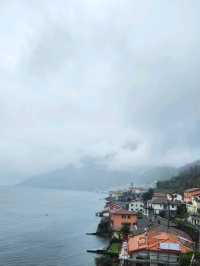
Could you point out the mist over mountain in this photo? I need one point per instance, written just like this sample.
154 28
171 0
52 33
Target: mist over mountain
117 80
188 167
92 176
187 177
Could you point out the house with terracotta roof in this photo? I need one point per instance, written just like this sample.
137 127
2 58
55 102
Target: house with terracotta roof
121 217
157 247
191 193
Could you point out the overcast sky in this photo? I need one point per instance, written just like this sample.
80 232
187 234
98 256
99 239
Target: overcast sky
114 80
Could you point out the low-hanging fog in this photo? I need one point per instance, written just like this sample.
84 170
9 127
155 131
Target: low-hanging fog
106 80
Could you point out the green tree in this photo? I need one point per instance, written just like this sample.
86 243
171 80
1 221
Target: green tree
148 195
125 230
182 211
185 259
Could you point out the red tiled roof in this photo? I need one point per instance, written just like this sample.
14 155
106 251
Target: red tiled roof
153 241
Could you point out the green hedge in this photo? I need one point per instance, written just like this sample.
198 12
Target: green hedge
114 249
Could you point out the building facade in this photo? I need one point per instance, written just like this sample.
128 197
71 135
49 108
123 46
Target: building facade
191 193
192 207
120 218
136 206
162 205
194 219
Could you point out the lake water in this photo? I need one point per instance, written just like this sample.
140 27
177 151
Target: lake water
48 227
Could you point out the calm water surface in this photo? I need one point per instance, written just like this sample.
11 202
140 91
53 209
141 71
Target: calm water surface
48 227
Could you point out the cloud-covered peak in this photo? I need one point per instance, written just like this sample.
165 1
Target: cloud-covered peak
112 80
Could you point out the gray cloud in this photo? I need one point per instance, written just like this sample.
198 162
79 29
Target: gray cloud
114 80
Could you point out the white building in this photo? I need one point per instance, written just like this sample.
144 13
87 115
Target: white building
178 197
175 197
159 205
136 206
193 207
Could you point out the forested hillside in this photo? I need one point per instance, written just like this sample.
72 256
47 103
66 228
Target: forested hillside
188 177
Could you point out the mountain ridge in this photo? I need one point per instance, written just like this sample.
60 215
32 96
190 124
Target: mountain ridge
188 177
95 177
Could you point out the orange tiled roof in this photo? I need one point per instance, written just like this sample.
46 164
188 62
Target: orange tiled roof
151 242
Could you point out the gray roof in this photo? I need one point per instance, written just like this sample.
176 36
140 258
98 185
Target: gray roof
123 212
162 201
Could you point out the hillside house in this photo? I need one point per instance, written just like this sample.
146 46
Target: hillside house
192 207
175 197
162 205
158 248
191 193
121 217
136 206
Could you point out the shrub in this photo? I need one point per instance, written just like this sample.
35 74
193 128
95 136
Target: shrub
185 259
125 230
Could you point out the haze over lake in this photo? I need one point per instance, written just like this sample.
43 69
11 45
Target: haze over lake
48 227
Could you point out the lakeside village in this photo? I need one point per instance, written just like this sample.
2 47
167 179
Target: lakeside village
147 227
